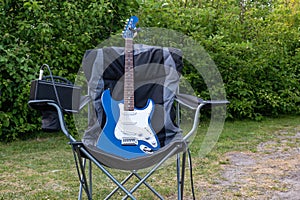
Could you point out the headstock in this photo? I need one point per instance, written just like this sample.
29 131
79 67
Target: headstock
130 29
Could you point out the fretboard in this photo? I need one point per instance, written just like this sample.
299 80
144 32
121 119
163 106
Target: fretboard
129 76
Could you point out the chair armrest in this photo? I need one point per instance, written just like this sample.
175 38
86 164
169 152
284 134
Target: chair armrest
62 121
193 102
196 104
41 105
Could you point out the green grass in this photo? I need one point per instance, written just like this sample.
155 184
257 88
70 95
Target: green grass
43 167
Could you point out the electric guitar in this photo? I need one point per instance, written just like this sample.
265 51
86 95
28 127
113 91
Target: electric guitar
127 131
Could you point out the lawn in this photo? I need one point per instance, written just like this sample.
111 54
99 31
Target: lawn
43 167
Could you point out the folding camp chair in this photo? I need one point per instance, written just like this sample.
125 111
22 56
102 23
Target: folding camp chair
160 69
138 133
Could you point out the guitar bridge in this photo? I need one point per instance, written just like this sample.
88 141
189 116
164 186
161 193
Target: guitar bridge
129 141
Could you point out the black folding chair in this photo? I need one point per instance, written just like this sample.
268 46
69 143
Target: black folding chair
133 107
157 72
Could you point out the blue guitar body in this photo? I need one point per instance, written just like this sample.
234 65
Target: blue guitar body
127 133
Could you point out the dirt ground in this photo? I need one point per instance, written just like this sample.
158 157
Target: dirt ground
273 172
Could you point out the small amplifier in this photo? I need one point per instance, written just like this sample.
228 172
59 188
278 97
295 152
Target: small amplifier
67 95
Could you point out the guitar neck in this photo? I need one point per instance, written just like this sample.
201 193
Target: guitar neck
129 76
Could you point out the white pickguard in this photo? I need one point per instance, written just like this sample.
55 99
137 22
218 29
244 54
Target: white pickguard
134 124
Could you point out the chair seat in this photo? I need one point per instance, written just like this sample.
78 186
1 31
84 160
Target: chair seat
175 146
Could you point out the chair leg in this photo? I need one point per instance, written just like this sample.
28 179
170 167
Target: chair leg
90 178
78 150
143 180
148 186
180 175
80 187
80 166
117 188
140 178
106 172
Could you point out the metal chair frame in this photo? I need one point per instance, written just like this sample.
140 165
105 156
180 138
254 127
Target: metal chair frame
82 157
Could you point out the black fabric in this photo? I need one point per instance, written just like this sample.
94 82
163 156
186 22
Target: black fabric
50 122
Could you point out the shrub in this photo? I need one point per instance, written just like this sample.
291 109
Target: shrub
255 46
54 32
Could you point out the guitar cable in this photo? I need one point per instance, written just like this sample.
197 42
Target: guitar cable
52 81
191 172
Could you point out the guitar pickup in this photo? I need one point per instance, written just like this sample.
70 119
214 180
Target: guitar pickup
129 141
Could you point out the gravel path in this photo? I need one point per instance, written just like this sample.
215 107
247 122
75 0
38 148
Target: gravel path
273 172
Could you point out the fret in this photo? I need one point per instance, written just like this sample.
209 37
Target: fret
128 76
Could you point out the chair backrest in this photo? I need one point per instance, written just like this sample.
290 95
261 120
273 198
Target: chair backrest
156 76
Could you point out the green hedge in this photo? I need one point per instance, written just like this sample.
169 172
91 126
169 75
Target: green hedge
255 47
55 32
